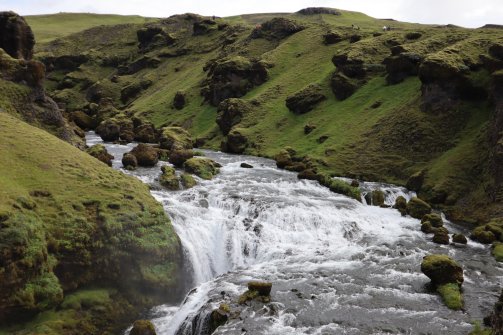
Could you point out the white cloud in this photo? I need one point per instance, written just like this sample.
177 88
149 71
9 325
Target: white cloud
461 12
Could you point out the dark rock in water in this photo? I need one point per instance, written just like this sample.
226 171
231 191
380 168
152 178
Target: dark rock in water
129 161
236 141
263 288
355 183
496 318
187 180
218 317
435 220
277 29
230 113
100 152
306 99
232 77
179 156
459 238
246 166
377 198
308 128
296 166
401 204
332 38
427 227
441 238
283 158
16 36
442 269
415 182
204 27
108 130
318 10
417 208
146 155
480 234
342 86
145 132
202 167
309 174
179 100
143 327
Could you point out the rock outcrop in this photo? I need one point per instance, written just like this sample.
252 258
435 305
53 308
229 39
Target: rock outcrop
231 112
277 29
145 154
202 167
172 138
306 99
99 152
16 36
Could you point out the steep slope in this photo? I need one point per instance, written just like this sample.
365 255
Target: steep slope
85 245
376 104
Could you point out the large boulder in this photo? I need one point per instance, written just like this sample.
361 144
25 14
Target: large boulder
488 233
131 91
179 100
231 112
83 120
236 142
401 66
129 161
415 181
99 152
153 36
168 178
277 29
175 138
442 269
401 204
145 133
108 130
377 198
232 77
16 36
179 156
342 86
306 99
332 38
142 327
202 167
417 208
435 220
145 154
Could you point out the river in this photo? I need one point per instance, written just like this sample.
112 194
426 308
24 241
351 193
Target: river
337 266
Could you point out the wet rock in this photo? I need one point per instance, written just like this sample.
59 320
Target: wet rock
435 220
306 99
355 183
16 36
129 161
99 152
417 208
204 27
401 205
332 38
246 166
218 317
377 198
442 269
236 141
179 100
142 327
342 86
187 180
146 155
309 174
427 228
283 158
108 130
230 113
480 234
277 29
179 156
145 133
168 178
202 167
232 77
440 238
175 138
459 238
83 120
263 288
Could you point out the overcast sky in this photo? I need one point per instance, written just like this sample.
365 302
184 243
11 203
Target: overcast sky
468 13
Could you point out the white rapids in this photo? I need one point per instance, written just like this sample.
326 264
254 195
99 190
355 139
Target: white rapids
337 266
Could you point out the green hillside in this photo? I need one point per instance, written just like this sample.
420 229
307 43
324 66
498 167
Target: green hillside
52 26
65 217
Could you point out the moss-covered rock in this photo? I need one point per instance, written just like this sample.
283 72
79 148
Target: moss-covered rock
451 295
179 100
18 39
263 288
342 86
129 161
109 130
187 180
131 91
218 317
427 227
459 238
175 138
497 251
204 27
415 182
277 29
377 198
435 220
440 237
231 112
401 205
202 167
145 154
482 235
99 152
143 327
237 141
340 187
145 132
417 208
306 99
442 269
83 120
332 38
168 178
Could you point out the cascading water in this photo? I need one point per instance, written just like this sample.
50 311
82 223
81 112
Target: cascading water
337 266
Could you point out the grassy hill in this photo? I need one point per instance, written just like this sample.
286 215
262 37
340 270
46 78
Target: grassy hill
53 26
65 217
386 129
